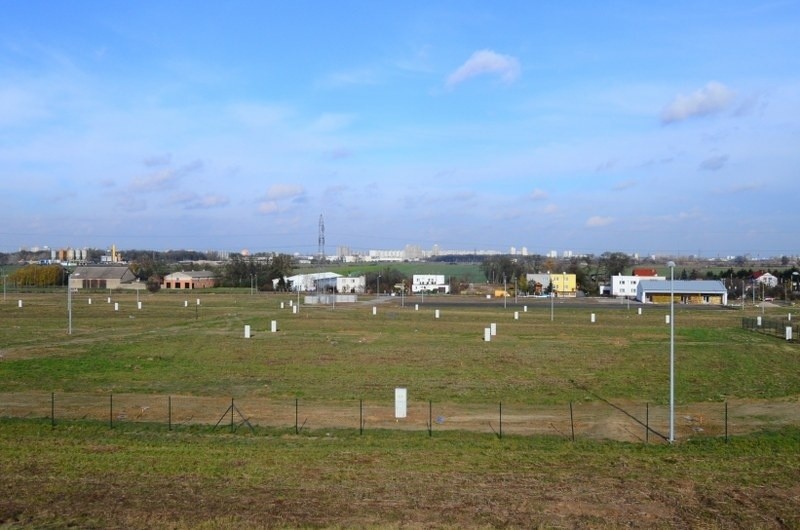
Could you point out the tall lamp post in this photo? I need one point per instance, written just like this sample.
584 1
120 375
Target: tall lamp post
378 288
671 266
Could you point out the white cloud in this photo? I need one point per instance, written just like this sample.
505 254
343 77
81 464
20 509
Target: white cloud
714 163
349 78
193 201
331 122
598 220
624 185
747 187
156 181
486 62
712 98
268 207
538 195
164 179
278 192
259 115
158 160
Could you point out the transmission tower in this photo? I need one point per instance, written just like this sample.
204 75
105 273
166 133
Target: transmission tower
321 239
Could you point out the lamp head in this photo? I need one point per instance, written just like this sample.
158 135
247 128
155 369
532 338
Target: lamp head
671 264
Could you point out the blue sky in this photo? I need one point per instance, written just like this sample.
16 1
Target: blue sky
587 126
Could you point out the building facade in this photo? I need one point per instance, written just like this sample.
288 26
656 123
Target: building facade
696 292
104 277
626 286
429 283
189 280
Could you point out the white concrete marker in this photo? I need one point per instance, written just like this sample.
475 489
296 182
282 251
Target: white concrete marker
400 402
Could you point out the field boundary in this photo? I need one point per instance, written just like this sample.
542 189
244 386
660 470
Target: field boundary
595 420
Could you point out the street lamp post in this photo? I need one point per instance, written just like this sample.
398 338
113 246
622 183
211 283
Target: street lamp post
378 288
515 289
671 266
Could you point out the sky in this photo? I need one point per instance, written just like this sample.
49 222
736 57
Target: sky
657 128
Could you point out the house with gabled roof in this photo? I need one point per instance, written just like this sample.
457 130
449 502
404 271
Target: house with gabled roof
189 280
710 292
766 279
104 277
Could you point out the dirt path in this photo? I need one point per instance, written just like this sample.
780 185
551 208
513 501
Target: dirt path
620 421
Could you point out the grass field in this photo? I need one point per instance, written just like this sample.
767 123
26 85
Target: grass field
332 361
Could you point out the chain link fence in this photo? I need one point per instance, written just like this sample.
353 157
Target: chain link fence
784 328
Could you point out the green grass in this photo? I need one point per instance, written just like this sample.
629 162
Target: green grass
86 475
347 353
140 474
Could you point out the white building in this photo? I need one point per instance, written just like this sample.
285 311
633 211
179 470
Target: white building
625 286
351 285
766 279
309 282
426 283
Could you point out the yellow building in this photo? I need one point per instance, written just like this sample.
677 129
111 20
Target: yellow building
565 285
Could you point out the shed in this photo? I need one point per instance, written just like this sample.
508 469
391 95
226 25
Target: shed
189 280
711 292
103 277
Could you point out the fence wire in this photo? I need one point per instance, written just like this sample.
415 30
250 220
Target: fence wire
630 422
778 327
